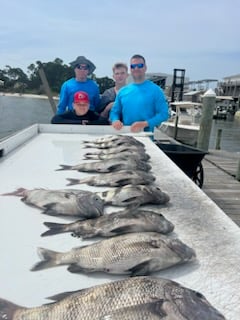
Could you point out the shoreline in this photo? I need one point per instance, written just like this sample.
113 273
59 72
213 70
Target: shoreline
26 95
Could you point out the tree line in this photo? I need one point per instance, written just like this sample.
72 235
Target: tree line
17 81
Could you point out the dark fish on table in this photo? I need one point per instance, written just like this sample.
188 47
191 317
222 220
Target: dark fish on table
133 254
108 143
128 153
113 138
114 179
115 223
109 165
137 298
118 149
83 204
132 195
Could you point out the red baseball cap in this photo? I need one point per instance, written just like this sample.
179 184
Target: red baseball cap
81 96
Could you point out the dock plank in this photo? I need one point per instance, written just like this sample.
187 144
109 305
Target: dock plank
220 184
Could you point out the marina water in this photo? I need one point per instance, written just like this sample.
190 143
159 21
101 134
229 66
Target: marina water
17 113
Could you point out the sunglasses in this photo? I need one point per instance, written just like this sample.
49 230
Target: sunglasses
137 65
81 67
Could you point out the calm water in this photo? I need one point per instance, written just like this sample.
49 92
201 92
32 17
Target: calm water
17 113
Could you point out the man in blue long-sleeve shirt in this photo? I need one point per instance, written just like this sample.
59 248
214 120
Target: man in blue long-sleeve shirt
82 68
142 104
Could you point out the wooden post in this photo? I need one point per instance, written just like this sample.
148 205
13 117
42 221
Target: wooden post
238 171
218 141
47 89
209 101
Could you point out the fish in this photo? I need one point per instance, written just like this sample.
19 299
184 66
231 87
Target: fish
80 203
112 224
109 165
132 254
113 138
114 179
118 149
137 298
118 140
134 195
128 153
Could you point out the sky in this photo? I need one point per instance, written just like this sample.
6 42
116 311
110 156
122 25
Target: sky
202 37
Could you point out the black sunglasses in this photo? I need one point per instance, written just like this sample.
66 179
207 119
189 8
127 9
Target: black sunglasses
137 65
82 67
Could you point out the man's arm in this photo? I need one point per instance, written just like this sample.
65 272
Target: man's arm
62 105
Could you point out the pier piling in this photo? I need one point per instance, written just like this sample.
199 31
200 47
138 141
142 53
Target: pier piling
209 101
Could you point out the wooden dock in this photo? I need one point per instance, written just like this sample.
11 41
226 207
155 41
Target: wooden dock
220 183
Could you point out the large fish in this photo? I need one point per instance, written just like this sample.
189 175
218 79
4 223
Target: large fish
115 223
115 179
133 254
128 153
83 204
137 298
118 149
109 165
117 141
113 138
132 195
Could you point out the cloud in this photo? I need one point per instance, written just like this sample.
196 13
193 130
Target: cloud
199 36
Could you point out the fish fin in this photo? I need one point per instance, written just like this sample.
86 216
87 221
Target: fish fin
123 182
73 181
48 258
54 228
141 269
64 167
20 192
115 167
62 295
122 230
131 207
155 307
50 209
8 309
74 268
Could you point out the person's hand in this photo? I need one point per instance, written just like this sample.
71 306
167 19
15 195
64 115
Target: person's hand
105 112
138 126
117 125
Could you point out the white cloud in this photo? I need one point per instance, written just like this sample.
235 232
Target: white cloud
202 37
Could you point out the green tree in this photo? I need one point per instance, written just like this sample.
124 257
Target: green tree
104 83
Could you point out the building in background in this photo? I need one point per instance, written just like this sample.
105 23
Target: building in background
229 86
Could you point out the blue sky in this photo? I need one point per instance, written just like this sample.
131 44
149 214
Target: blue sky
202 37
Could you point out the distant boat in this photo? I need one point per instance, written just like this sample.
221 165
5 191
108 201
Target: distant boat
183 126
225 107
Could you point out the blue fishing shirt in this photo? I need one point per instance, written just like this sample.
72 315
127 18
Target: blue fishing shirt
140 102
70 87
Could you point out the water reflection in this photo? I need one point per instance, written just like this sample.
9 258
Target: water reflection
17 113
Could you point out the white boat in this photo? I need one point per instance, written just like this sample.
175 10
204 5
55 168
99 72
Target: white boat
183 126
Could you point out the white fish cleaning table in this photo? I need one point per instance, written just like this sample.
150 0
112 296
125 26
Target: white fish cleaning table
29 159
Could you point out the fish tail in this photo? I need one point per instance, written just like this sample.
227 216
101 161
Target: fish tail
48 259
7 309
20 192
54 228
64 167
73 181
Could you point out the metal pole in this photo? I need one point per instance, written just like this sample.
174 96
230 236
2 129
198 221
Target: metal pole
47 89
209 101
